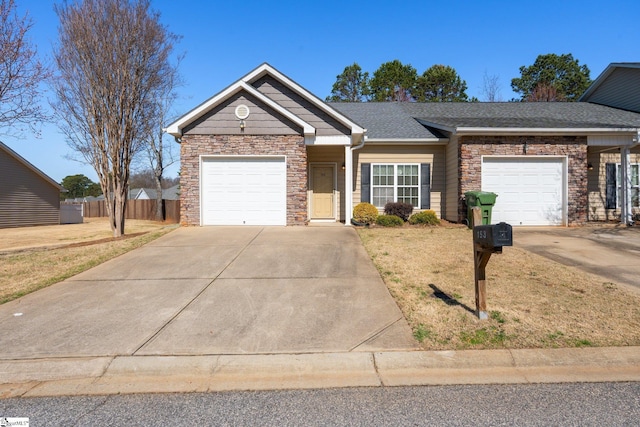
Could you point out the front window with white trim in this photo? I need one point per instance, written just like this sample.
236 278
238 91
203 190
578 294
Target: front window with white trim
635 184
395 183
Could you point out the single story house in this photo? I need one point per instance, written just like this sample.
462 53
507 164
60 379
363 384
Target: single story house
266 151
27 195
171 193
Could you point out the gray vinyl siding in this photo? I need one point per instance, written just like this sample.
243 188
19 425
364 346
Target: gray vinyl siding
262 120
324 124
26 199
621 90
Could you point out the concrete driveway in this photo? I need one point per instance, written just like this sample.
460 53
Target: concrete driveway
215 290
612 252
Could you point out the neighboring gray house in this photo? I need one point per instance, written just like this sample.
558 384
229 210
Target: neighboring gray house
266 151
619 87
27 196
171 193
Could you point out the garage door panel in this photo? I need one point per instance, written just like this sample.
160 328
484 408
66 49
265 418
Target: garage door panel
243 191
530 190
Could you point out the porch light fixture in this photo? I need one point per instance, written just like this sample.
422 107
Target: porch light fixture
344 166
589 166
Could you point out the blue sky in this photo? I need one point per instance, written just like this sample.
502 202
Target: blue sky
312 42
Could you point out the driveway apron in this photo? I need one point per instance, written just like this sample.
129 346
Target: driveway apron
612 252
215 290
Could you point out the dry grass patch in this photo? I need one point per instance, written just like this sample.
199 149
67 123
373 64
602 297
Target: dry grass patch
25 271
532 302
46 236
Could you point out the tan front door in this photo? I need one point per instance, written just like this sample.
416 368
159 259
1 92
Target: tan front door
322 199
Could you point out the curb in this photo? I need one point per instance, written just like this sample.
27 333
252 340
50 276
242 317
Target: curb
210 373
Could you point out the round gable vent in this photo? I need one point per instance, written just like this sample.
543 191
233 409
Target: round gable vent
242 111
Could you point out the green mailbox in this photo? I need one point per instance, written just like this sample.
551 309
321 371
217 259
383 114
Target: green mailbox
482 199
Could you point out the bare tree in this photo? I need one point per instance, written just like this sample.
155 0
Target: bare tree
159 149
491 87
21 72
544 92
113 61
159 161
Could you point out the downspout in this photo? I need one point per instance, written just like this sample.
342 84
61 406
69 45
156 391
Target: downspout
626 214
348 179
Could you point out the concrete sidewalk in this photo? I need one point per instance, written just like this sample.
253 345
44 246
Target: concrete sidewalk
180 374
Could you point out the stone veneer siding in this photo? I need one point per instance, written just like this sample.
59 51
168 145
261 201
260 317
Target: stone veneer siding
292 146
472 148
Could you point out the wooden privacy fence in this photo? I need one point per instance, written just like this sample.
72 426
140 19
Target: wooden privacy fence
137 209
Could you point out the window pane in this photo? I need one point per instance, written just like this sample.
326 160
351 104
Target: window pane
634 175
408 184
405 177
408 195
619 177
382 195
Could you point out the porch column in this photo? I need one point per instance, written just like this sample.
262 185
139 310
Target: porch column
348 185
625 185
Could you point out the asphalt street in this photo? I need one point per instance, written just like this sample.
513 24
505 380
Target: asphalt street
577 404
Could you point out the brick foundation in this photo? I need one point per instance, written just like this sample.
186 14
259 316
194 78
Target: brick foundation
472 148
292 146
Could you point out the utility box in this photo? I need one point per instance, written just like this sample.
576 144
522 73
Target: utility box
493 236
484 200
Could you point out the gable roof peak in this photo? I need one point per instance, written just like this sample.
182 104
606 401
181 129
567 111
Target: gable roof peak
246 83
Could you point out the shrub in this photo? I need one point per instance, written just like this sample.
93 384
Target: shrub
365 213
427 217
399 209
389 221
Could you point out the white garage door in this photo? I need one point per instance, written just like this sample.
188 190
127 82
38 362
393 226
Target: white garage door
244 191
530 190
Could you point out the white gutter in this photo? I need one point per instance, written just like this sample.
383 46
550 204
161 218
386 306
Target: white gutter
626 212
546 131
408 141
348 178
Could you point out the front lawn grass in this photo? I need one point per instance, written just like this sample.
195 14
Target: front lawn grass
26 271
532 302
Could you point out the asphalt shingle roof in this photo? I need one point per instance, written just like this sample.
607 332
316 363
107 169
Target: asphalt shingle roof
384 120
524 115
389 120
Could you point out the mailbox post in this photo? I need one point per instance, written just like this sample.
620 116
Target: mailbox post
487 240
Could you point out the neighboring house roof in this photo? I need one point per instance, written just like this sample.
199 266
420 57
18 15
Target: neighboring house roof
618 86
171 193
245 84
138 194
34 169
